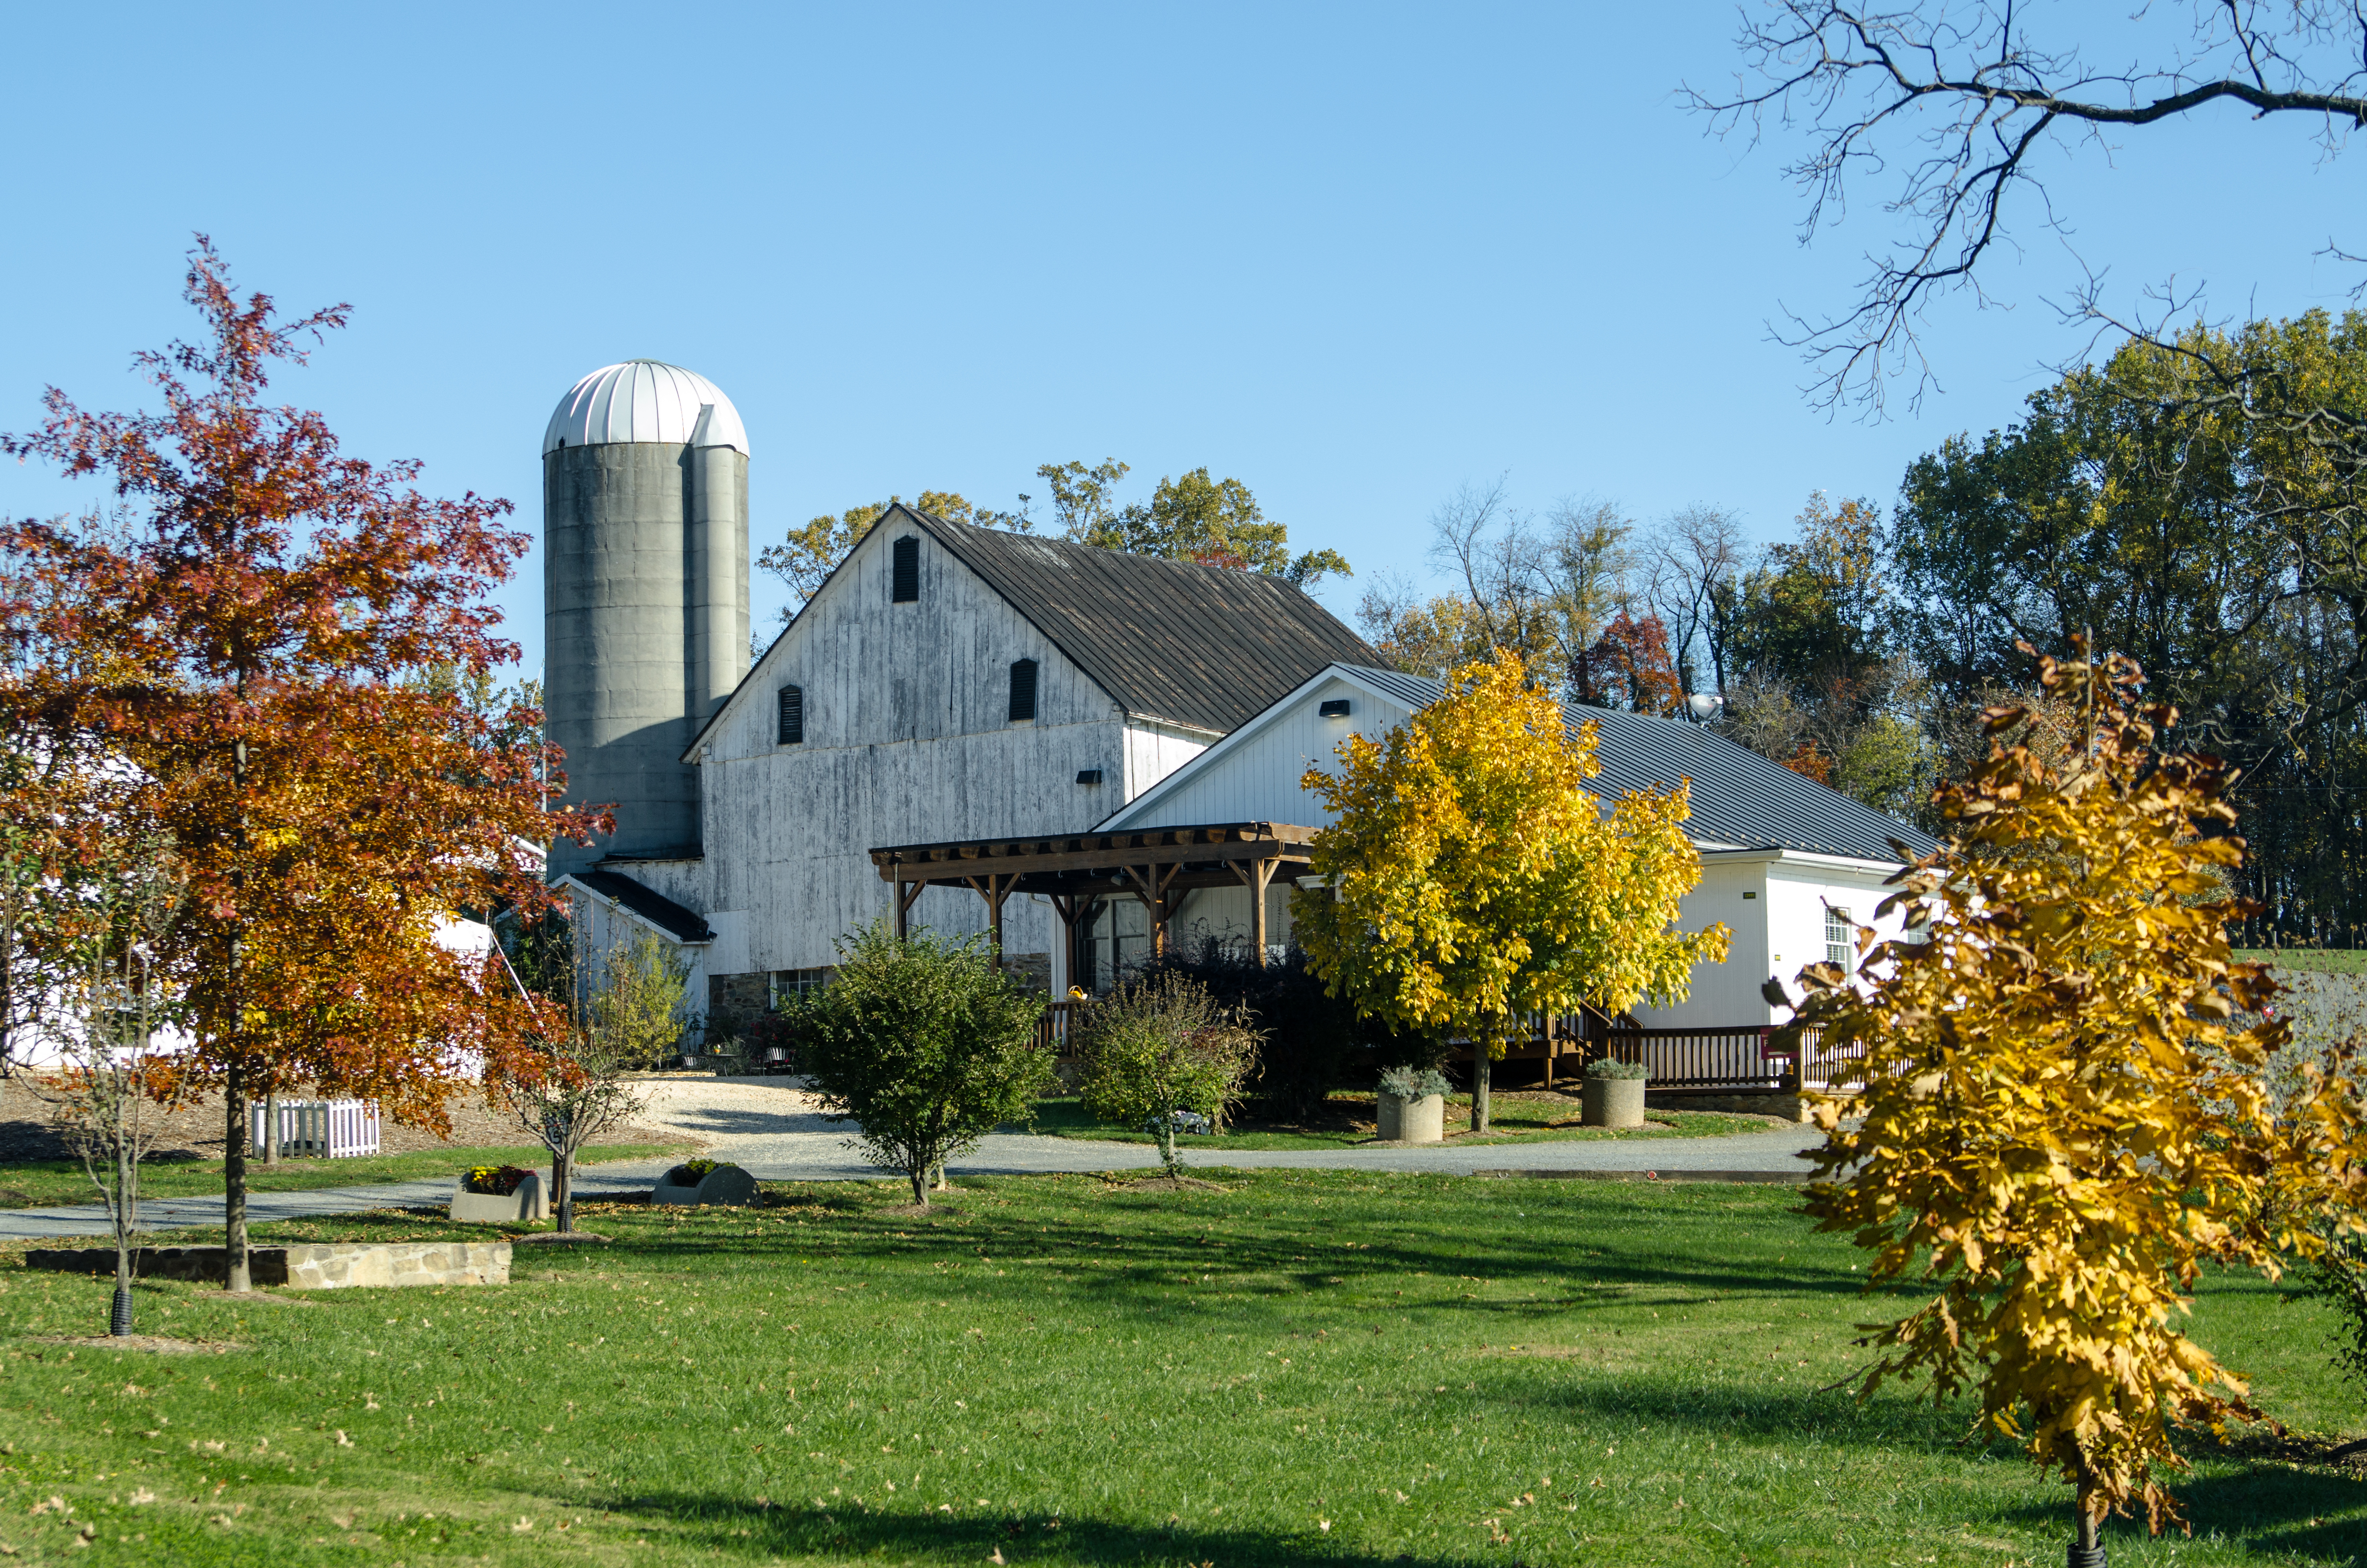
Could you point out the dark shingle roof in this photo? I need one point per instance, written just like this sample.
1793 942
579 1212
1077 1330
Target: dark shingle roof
1738 796
682 925
1195 645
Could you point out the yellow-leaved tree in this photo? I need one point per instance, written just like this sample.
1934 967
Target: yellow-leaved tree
2063 1115
1474 879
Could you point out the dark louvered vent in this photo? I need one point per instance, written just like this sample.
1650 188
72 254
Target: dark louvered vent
1023 689
793 715
905 586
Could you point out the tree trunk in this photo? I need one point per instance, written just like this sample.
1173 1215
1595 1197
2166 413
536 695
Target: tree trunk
271 1129
562 1188
1483 1074
1167 1145
920 1175
127 1199
234 1184
2087 1551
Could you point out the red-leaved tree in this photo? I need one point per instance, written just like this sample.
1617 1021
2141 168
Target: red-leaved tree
260 631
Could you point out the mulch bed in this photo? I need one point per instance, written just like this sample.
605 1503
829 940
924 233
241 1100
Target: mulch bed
194 1132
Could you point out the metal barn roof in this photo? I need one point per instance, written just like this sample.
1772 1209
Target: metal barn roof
1195 645
1738 796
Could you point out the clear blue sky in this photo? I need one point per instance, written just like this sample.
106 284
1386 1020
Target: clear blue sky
1353 256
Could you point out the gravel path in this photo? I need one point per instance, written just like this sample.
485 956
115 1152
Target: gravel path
772 1128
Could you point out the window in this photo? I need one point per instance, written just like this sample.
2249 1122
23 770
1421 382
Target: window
1841 936
792 716
904 582
1023 689
794 985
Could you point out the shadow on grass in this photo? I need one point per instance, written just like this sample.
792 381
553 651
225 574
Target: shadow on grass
2315 1515
741 1526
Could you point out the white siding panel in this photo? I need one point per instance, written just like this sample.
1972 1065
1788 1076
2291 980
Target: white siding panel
1256 779
1154 750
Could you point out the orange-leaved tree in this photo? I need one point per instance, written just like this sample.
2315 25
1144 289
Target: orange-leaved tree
2064 1115
273 616
1474 880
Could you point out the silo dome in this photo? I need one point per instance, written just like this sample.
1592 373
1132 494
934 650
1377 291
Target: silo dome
645 400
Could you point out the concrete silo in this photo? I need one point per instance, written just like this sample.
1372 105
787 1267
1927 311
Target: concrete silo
645 594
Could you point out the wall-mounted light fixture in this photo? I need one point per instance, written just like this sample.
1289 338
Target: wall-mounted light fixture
1089 776
1335 709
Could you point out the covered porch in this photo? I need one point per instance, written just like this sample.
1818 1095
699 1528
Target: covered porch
1155 868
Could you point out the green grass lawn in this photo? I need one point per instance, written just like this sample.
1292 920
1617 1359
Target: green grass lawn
30 1184
1303 1368
2319 961
1513 1117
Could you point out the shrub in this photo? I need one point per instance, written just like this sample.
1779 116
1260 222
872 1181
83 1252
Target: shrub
1160 1047
1413 1083
924 1046
1604 1067
690 1173
1307 1042
496 1181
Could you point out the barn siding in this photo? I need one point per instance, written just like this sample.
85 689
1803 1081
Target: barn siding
908 740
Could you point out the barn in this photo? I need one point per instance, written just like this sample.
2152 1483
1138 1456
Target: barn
1090 754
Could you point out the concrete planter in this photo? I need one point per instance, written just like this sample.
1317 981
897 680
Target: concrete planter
528 1202
1612 1102
1419 1120
724 1184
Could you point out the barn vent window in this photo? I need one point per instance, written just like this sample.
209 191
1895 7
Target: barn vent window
1840 936
1023 689
792 726
904 583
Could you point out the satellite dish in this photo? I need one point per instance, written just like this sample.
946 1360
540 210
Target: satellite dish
1704 705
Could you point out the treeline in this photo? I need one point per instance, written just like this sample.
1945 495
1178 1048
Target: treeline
2145 502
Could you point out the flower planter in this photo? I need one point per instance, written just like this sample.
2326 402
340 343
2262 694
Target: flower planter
1612 1102
724 1184
1418 1121
528 1202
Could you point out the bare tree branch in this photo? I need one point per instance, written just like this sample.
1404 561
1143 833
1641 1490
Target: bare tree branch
1979 95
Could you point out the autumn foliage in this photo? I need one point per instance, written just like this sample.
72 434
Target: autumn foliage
2064 1117
1476 880
252 636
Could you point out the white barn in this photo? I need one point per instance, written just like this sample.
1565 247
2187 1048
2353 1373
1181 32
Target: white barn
1106 747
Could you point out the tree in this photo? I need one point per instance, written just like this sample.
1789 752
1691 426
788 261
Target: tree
1628 668
1691 561
249 640
1157 1047
1544 589
573 1088
1472 879
925 1046
2062 1121
2215 549
1961 106
104 1037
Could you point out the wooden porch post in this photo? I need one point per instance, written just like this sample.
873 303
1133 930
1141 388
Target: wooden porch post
994 888
1152 890
907 895
1255 876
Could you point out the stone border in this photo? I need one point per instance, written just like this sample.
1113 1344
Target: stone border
320 1265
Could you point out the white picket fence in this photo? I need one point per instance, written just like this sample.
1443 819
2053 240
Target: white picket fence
334 1130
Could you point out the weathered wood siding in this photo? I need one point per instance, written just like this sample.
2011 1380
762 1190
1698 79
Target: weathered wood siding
908 740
